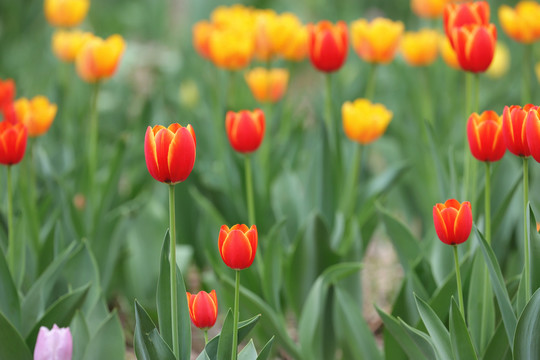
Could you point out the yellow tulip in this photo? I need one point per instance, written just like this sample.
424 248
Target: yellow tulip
66 13
267 85
67 44
376 41
420 48
521 23
36 114
99 58
363 121
231 48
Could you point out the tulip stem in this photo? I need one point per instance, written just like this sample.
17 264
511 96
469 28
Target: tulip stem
172 250
487 203
525 227
458 280
527 60
92 145
370 83
205 337
236 315
333 133
249 190
11 242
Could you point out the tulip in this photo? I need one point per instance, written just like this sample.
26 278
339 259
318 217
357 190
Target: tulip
514 132
376 41
233 16
469 13
232 48
99 58
238 245
7 92
202 32
170 152
420 48
363 121
532 131
267 85
327 45
203 309
453 221
54 344
245 130
36 114
264 20
448 53
67 44
13 138
521 23
484 133
428 8
66 13
475 46
289 37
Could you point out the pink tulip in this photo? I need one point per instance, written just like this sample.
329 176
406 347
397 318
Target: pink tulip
54 344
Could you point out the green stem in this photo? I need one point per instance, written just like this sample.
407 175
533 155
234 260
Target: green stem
236 315
487 203
205 337
92 145
527 74
172 250
467 156
458 280
333 133
249 191
351 187
11 242
525 227
370 83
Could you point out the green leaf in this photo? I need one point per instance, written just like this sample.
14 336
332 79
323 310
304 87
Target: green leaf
534 246
462 346
272 276
163 300
248 352
266 350
108 342
224 351
498 347
526 341
9 300
59 313
148 344
80 334
358 335
12 345
436 329
497 281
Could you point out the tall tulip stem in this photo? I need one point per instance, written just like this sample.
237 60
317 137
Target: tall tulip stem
92 145
458 280
249 190
525 227
487 203
11 242
172 250
333 133
236 315
370 83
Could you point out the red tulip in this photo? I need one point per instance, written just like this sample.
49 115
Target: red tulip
328 45
13 139
203 309
453 221
532 130
474 46
245 129
469 13
238 245
484 133
7 92
170 152
514 120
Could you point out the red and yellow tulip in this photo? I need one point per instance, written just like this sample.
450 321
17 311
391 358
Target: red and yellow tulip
203 309
453 221
238 245
245 129
328 45
98 59
484 133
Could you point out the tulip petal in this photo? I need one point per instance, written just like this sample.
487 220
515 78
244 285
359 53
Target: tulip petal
181 155
463 223
150 154
164 138
236 251
440 226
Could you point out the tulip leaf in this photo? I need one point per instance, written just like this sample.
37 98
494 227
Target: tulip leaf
59 313
108 342
248 352
436 329
272 276
9 300
462 346
498 348
148 344
80 333
266 350
163 300
499 288
224 350
534 246
526 344
12 345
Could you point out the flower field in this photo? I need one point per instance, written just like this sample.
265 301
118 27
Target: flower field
269 180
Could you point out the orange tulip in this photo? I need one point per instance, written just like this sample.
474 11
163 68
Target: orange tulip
67 44
202 32
99 58
484 133
232 48
376 41
428 8
245 130
170 152
448 53
267 85
521 23
203 309
289 37
13 138
363 121
264 20
36 114
66 13
420 48
475 46
514 132
469 13
453 221
532 131
328 45
238 245
7 92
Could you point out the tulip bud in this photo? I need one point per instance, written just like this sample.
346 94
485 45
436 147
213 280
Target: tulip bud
238 245
67 44
468 13
54 344
13 138
328 45
453 221
532 130
203 309
202 31
484 133
245 130
66 13
475 46
36 114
